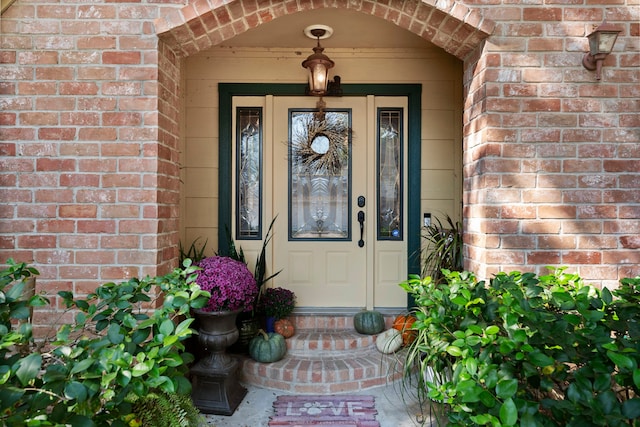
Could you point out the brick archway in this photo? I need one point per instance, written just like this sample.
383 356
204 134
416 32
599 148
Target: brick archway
457 29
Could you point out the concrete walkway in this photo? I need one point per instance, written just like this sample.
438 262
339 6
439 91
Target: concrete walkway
396 408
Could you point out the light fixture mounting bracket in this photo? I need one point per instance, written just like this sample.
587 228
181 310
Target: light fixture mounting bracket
318 32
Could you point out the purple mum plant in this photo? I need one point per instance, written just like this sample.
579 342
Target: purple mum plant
231 284
277 302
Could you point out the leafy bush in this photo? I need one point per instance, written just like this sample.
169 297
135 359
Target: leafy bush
527 350
124 345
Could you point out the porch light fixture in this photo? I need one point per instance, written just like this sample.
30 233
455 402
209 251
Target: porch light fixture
601 42
319 64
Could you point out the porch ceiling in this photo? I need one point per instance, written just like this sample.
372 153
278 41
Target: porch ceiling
352 29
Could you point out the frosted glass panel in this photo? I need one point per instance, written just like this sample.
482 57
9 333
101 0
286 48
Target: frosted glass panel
249 173
319 175
389 174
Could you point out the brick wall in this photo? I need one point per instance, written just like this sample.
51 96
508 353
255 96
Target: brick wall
89 118
552 157
89 166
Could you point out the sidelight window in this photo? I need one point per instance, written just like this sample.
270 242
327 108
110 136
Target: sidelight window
249 173
389 174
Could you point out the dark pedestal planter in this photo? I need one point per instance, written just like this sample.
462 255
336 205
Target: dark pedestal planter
214 379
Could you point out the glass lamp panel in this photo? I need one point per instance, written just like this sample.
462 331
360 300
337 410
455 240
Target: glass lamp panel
389 177
593 44
607 40
319 175
318 74
249 173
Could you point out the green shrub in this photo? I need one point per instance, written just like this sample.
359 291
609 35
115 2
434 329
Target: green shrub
527 350
125 344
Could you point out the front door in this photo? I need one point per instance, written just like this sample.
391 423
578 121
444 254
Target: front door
335 179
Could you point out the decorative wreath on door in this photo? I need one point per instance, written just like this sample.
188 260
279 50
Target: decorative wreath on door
321 143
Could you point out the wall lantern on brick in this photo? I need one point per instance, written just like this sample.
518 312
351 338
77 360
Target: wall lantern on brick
601 42
319 64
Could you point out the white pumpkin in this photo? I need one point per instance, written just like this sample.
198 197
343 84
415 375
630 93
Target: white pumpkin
389 341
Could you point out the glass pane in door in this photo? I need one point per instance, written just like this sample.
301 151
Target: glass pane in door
249 173
319 175
389 172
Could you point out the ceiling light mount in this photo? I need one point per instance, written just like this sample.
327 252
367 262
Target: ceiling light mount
318 32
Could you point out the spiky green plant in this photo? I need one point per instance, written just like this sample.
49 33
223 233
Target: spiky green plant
194 253
443 248
260 271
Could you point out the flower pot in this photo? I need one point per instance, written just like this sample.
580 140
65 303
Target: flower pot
248 330
431 376
217 371
270 324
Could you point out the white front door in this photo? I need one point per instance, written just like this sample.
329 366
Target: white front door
335 181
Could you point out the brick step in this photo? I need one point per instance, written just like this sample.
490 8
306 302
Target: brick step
331 322
327 343
326 361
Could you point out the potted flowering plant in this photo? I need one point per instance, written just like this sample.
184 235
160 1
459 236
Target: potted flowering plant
233 289
277 302
230 283
274 304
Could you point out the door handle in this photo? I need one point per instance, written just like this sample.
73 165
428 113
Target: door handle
361 221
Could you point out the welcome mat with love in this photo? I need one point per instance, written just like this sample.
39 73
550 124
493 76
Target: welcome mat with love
318 410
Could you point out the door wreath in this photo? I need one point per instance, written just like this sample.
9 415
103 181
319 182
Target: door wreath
321 143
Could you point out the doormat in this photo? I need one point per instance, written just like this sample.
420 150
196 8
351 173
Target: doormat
318 410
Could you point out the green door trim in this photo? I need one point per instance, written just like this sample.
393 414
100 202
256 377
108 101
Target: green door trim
413 92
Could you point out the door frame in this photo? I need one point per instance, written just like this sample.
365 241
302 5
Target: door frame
413 92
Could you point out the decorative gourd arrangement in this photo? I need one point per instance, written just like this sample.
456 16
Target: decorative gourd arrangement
389 341
267 347
369 322
403 323
284 327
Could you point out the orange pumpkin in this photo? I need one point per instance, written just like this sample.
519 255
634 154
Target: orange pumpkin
284 327
403 323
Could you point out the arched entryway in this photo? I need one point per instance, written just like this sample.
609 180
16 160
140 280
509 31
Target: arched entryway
185 33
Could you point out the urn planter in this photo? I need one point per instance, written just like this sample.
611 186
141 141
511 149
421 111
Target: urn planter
214 378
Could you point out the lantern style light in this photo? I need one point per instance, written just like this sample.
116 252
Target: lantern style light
318 63
601 42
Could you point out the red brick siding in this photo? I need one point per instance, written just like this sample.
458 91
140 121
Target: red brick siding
90 124
575 130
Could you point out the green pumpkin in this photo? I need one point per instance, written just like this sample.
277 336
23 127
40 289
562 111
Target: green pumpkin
369 322
267 348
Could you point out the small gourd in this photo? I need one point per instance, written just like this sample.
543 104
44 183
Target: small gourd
389 341
284 327
369 322
267 347
403 323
